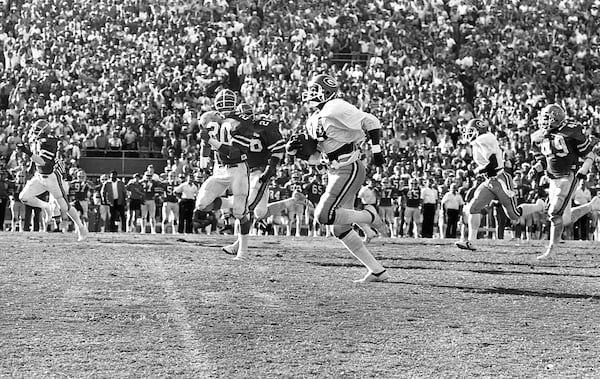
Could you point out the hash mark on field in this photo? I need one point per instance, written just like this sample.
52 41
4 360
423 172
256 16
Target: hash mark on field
194 351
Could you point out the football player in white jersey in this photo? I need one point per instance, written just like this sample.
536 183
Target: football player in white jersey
489 158
335 129
50 172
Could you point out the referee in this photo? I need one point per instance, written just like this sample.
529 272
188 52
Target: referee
187 192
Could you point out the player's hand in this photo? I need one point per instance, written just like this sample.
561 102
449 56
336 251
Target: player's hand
204 135
24 148
266 176
378 159
294 144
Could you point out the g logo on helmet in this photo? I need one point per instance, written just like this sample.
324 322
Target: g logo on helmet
330 81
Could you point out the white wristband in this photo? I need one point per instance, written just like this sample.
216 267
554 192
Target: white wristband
376 149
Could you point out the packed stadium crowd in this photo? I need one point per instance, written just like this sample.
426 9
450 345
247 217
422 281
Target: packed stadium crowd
134 77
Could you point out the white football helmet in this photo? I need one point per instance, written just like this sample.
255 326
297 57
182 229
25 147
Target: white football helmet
473 129
551 117
321 89
225 101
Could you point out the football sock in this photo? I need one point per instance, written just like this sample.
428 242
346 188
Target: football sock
474 220
356 246
578 212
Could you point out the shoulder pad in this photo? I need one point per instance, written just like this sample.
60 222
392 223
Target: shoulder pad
337 107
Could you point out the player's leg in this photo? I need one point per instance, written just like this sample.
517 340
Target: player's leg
152 215
145 215
582 210
29 195
481 198
328 210
165 217
351 178
175 213
503 188
56 187
239 186
560 193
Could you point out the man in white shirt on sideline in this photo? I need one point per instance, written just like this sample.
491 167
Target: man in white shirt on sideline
452 203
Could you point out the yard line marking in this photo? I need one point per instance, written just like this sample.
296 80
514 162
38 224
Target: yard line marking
194 351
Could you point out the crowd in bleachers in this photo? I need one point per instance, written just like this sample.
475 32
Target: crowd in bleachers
132 77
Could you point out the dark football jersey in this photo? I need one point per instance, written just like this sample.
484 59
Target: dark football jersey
276 193
149 189
388 195
46 149
413 197
563 148
78 190
266 140
313 191
235 131
294 185
168 191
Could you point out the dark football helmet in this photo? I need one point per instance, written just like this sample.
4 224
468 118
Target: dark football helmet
321 89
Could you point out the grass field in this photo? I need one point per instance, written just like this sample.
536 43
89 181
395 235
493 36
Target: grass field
164 306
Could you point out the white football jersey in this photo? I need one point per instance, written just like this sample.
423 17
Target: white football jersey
483 147
337 124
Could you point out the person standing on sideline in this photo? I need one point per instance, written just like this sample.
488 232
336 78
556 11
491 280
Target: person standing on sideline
582 196
187 193
135 199
114 194
452 204
429 196
335 129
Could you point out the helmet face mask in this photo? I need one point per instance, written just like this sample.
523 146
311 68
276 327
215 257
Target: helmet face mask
225 101
321 89
473 129
551 117
39 129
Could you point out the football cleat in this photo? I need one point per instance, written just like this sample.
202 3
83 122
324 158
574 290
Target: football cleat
465 245
550 254
371 277
377 223
231 249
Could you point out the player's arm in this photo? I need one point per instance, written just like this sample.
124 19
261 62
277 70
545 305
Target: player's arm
584 149
372 126
37 159
276 148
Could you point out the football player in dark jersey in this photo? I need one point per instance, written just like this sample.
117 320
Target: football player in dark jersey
563 145
265 151
50 171
170 206
79 193
229 134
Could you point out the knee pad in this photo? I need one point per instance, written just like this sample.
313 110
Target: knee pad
340 231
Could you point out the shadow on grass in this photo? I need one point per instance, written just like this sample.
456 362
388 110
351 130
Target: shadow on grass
477 271
509 291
